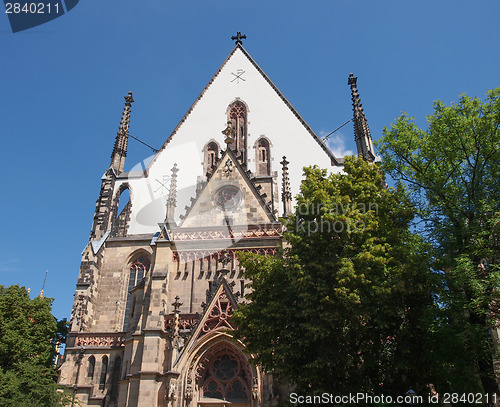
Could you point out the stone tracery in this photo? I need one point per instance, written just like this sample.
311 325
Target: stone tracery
224 374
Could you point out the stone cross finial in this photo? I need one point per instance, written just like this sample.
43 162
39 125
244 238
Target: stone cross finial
352 80
129 99
177 305
238 37
286 194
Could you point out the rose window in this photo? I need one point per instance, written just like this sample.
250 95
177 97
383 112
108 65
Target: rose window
226 376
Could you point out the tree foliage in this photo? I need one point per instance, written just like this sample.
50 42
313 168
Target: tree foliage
28 332
452 171
348 306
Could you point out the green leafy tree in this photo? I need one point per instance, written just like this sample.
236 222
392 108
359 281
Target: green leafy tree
348 306
452 171
28 333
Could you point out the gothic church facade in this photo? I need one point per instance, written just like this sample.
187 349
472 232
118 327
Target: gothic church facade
160 279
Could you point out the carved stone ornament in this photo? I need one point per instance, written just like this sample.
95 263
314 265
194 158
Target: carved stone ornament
172 386
255 389
188 393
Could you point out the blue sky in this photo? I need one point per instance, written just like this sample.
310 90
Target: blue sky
62 86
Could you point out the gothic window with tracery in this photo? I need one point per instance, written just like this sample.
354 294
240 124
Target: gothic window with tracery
238 119
263 158
219 315
137 271
226 376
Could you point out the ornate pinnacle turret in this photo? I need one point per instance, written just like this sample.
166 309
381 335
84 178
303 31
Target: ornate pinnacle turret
172 194
175 335
120 149
362 134
286 194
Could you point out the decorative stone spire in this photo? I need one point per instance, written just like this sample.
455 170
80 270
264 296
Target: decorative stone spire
286 195
362 134
120 149
172 194
175 334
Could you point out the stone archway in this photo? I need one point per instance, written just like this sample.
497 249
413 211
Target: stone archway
224 378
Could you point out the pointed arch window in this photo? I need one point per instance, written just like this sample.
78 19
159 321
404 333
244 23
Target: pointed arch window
138 269
238 118
104 372
211 152
121 211
123 200
91 368
263 159
226 376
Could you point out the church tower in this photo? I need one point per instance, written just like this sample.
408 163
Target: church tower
160 280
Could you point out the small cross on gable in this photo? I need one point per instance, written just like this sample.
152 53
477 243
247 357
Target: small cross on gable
238 37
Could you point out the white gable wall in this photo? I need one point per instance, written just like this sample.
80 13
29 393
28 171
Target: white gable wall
268 116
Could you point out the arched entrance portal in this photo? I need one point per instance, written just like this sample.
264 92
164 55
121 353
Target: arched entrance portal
224 378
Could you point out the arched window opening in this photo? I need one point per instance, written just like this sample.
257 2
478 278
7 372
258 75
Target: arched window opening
91 368
226 376
137 271
263 165
115 378
211 156
121 212
123 201
104 372
238 119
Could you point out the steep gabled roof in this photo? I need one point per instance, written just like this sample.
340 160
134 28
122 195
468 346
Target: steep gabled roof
334 160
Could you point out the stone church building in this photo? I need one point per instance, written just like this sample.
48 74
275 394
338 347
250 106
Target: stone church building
159 278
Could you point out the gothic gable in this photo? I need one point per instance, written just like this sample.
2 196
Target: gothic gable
218 313
220 306
268 116
230 197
